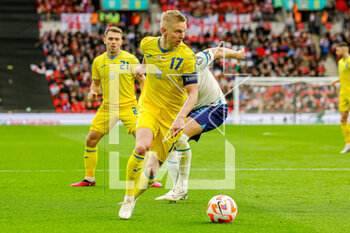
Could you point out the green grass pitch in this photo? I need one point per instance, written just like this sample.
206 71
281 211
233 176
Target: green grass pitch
287 179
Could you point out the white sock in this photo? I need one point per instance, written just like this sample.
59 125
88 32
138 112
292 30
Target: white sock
128 196
173 166
185 155
90 179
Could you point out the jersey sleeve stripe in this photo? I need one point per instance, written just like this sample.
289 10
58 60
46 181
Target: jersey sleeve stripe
206 56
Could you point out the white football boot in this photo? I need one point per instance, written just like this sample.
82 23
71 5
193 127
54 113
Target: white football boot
178 194
168 194
127 208
346 148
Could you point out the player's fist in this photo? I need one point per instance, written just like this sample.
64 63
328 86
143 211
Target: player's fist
241 54
140 71
92 95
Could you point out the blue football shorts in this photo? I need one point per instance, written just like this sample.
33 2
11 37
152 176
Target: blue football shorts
209 117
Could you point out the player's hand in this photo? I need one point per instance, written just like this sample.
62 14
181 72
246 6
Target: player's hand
333 83
92 95
177 127
241 54
140 71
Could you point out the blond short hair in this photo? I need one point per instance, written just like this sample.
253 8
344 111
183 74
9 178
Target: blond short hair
342 44
113 29
172 16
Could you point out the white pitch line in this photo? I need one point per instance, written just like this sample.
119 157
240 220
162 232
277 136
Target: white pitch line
194 169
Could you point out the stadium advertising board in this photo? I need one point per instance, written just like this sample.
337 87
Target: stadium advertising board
132 5
310 5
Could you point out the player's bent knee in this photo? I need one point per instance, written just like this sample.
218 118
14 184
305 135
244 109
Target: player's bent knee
91 141
93 138
140 149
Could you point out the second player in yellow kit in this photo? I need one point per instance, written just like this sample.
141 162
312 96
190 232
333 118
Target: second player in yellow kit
342 52
114 72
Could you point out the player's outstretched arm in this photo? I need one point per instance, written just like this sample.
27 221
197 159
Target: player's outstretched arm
228 53
192 91
94 89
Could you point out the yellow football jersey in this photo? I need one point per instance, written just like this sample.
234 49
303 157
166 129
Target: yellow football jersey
113 72
344 74
167 73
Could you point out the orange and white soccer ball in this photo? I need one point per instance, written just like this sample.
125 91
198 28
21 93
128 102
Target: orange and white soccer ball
222 208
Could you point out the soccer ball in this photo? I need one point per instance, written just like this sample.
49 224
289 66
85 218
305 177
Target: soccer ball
222 208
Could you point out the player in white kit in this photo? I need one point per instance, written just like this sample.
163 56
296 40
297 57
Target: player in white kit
209 113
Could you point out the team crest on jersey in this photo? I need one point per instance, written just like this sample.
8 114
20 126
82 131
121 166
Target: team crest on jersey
148 56
158 73
199 61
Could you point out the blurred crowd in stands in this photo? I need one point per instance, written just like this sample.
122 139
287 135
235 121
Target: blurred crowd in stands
329 41
208 7
290 54
298 98
62 6
293 53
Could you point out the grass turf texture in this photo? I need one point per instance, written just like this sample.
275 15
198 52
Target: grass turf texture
275 189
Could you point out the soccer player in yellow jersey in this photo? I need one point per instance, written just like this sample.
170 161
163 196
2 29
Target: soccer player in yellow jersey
112 70
342 51
171 76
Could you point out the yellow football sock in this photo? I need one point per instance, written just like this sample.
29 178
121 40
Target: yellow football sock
133 170
144 183
90 158
346 131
